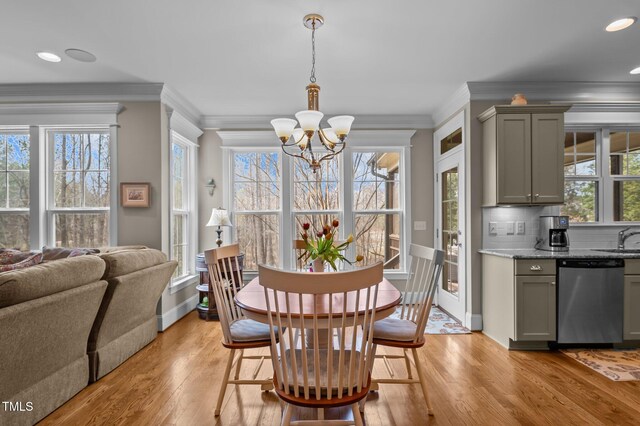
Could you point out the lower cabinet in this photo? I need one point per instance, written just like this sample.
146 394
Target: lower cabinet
631 328
535 308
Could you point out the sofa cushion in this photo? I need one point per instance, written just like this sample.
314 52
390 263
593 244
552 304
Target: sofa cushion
11 260
57 253
124 262
48 278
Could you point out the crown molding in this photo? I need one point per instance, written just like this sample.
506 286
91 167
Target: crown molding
180 104
80 92
184 127
458 100
260 122
60 113
558 91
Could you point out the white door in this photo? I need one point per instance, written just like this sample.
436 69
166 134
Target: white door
450 220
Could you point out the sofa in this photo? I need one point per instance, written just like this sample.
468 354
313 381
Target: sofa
126 321
46 315
66 323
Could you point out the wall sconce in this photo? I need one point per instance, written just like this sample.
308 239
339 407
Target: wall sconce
211 184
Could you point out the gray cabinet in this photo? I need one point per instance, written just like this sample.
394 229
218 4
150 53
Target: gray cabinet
631 321
519 301
523 154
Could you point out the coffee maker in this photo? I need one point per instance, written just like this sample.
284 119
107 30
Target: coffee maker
553 235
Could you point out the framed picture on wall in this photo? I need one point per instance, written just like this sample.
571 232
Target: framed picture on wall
134 194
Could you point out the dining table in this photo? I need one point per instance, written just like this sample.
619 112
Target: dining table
251 299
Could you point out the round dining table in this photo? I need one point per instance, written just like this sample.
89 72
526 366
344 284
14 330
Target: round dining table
251 299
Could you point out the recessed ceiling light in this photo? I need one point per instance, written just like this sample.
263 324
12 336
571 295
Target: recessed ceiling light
621 24
635 71
49 57
80 55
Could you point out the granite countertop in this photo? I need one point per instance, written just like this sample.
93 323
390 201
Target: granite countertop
572 253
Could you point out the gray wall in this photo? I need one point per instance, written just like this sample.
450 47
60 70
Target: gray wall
209 166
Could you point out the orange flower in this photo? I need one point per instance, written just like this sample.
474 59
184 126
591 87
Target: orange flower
359 258
329 235
335 223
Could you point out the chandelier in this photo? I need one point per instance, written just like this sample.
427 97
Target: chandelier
297 141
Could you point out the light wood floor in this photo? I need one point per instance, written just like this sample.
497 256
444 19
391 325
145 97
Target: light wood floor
473 380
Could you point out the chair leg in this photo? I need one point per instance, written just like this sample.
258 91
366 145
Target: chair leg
239 365
374 386
225 380
286 415
423 380
408 364
357 417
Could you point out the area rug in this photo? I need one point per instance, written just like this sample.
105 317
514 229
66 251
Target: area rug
619 365
439 323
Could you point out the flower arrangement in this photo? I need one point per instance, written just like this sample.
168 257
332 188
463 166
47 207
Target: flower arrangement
322 246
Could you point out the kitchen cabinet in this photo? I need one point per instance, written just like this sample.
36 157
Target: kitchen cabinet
519 301
523 154
631 316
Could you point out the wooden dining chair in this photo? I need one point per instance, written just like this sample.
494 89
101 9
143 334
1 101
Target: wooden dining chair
407 331
239 333
316 370
300 248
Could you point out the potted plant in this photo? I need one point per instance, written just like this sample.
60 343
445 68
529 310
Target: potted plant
321 247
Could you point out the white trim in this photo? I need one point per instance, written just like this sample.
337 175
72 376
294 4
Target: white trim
170 317
474 321
114 185
183 283
60 114
180 104
261 122
80 92
557 91
266 139
457 101
185 128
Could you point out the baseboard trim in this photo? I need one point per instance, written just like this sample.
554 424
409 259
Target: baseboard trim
474 321
168 318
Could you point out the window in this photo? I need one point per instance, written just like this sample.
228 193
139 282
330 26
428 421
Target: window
376 207
271 195
14 189
80 187
183 241
602 188
256 204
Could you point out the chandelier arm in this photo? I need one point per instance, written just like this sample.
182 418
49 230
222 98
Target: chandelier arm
295 142
301 156
332 154
326 141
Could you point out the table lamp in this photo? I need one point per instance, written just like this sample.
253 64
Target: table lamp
219 217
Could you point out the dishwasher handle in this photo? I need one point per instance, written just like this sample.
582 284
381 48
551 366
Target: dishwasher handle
591 263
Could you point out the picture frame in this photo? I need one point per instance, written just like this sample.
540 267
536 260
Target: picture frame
134 194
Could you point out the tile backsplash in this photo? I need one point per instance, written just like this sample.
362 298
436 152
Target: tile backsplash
580 237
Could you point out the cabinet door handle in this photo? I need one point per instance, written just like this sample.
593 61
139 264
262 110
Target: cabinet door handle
528 195
553 283
537 195
536 268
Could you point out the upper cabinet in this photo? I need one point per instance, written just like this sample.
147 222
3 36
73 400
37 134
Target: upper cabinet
523 154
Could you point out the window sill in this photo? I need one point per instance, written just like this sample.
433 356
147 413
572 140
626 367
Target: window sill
183 283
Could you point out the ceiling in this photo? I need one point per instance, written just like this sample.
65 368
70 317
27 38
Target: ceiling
252 57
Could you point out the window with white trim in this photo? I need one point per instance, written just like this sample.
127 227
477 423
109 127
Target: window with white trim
183 241
602 176
272 195
14 189
79 182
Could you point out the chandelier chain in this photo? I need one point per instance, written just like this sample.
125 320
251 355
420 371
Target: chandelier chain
313 52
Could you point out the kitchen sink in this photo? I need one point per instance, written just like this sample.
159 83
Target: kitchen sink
621 251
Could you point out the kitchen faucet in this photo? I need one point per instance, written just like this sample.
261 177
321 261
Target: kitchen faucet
623 235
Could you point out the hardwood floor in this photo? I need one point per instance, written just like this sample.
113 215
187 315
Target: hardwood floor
174 381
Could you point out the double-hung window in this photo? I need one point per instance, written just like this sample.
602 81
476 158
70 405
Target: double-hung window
365 188
256 187
183 239
602 176
79 182
14 189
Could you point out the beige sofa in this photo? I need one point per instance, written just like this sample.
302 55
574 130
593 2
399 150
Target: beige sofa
46 314
126 321
66 323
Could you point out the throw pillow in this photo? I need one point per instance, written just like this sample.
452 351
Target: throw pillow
10 256
56 253
34 258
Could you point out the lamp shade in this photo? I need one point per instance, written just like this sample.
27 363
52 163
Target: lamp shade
219 217
301 139
341 124
309 120
283 127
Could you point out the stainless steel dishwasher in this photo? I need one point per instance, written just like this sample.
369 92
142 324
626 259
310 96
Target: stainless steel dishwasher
590 300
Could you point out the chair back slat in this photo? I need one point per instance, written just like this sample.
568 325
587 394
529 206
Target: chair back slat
424 273
330 358
225 280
